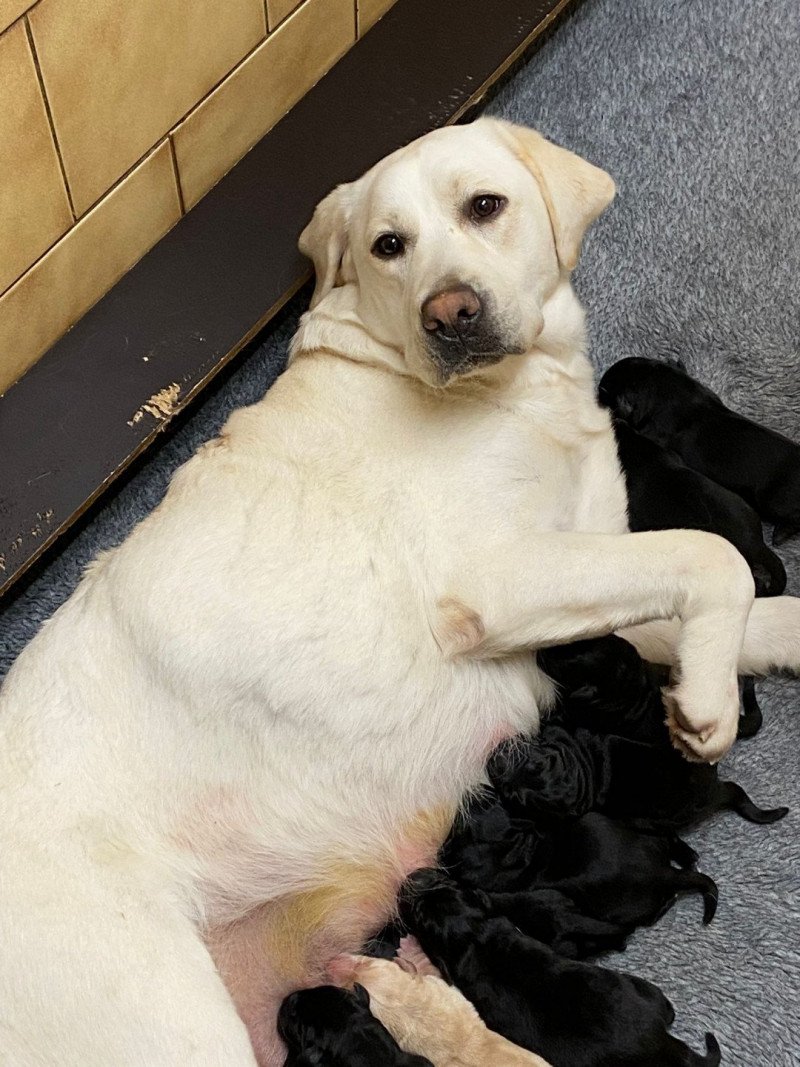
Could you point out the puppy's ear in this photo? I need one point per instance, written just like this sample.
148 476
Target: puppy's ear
325 238
575 191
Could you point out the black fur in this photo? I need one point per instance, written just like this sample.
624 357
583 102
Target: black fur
560 774
752 718
621 875
571 1013
550 916
331 1027
661 401
605 686
665 494
487 848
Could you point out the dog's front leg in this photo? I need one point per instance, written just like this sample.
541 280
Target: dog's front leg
551 588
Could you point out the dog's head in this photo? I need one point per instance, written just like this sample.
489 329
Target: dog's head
456 242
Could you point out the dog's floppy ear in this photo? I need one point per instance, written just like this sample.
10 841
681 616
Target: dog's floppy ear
575 191
325 238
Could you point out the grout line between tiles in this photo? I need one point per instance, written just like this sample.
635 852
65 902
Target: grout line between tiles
177 174
40 78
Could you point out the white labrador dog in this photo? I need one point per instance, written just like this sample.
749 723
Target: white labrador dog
254 717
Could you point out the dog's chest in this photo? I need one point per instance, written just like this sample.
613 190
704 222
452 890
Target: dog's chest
553 460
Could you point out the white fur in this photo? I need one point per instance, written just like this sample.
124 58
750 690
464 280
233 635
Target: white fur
327 623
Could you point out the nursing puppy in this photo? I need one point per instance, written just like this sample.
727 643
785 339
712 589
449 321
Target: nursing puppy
561 775
427 1016
665 494
574 1014
550 916
605 686
488 848
618 874
336 1028
222 755
662 402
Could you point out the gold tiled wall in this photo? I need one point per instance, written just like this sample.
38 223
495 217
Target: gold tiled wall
115 118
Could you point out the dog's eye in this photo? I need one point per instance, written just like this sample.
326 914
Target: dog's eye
388 245
486 205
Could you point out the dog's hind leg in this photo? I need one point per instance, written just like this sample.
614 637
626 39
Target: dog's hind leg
771 638
99 974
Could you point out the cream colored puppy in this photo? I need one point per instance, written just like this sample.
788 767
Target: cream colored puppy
430 1018
254 717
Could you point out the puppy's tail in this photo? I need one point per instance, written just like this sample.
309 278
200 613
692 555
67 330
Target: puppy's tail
713 1056
707 887
735 799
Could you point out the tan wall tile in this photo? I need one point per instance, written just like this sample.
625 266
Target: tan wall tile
277 10
10 10
369 11
85 263
119 74
241 110
34 210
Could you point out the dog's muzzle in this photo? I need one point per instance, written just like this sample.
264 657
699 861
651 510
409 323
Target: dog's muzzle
459 335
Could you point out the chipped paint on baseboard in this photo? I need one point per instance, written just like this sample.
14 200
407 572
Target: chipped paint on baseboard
161 405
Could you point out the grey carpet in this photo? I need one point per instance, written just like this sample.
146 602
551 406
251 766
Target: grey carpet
693 106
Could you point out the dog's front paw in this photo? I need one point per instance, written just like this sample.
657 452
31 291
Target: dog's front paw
702 730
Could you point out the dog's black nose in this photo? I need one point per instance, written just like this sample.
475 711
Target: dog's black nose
452 314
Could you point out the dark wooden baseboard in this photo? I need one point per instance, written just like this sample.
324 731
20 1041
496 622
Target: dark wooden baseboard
104 392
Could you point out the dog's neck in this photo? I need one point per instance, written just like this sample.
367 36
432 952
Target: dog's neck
335 327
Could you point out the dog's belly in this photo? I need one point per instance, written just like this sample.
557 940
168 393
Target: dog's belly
286 944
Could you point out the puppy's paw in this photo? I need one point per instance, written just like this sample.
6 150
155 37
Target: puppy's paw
411 957
700 734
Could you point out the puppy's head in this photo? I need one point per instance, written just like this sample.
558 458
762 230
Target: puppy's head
309 1020
328 1026
635 388
595 668
433 904
456 242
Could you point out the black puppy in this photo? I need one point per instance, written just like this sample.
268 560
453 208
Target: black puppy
572 1014
654 786
331 1027
605 686
487 848
550 916
661 401
665 494
622 875
560 774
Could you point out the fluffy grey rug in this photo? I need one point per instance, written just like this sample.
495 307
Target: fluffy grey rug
693 106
